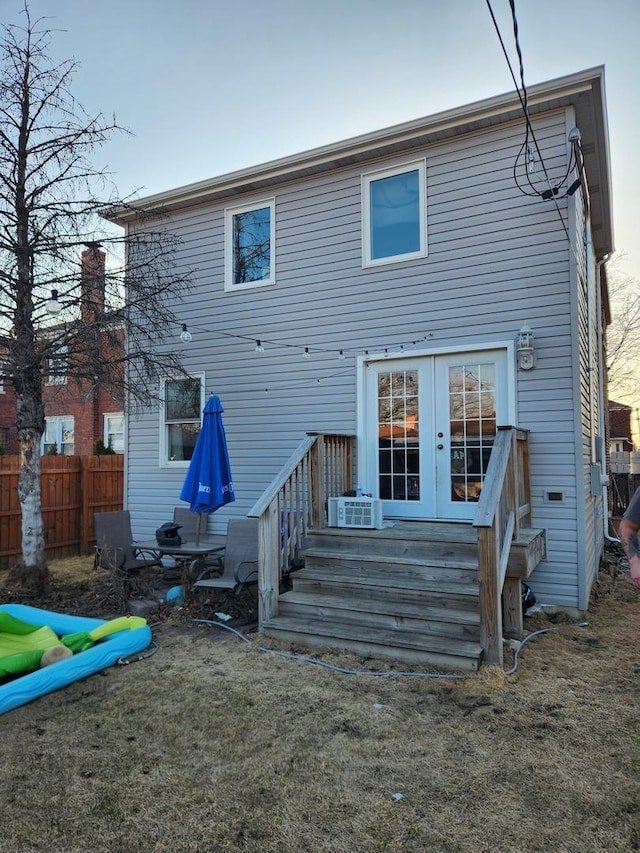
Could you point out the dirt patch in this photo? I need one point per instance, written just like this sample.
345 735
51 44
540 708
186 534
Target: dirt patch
77 588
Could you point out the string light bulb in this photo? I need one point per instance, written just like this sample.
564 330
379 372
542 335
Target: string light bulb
185 334
306 353
259 347
341 355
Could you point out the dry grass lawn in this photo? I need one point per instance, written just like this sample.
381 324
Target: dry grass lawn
213 745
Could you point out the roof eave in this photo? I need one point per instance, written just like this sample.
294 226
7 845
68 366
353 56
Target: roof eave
498 109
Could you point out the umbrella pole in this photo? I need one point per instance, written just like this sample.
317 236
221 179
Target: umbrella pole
198 523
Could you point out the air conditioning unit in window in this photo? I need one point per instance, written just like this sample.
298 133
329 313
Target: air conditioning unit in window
355 512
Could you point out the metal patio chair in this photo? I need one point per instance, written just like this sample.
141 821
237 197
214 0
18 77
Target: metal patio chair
114 544
239 563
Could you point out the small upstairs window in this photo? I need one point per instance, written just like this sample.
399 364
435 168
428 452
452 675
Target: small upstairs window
58 366
394 214
250 245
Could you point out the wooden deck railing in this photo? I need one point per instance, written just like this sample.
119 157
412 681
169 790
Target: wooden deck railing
323 466
504 506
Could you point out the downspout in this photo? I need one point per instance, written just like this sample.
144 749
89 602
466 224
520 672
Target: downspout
601 396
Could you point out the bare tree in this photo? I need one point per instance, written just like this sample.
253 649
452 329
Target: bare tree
51 198
623 335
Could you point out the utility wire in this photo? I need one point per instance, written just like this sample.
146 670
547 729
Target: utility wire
522 97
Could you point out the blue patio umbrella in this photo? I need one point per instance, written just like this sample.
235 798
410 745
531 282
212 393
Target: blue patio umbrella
209 484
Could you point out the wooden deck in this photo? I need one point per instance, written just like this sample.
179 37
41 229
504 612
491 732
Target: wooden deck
408 592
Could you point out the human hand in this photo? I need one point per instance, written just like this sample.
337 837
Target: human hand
634 565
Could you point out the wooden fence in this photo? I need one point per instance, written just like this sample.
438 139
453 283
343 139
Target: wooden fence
621 490
73 489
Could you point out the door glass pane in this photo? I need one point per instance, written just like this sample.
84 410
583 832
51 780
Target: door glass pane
398 436
472 427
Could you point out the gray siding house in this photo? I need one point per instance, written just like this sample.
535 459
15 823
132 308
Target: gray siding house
415 288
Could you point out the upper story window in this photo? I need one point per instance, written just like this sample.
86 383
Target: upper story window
394 214
57 366
183 401
250 245
114 431
59 436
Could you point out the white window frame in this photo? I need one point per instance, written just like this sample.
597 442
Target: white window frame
370 177
58 378
107 432
229 213
58 421
164 461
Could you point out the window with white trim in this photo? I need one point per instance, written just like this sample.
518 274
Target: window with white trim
394 222
249 256
182 404
114 431
59 436
57 366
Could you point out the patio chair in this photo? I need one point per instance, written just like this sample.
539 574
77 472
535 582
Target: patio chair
114 544
240 560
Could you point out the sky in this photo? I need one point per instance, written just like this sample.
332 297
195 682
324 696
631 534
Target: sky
210 86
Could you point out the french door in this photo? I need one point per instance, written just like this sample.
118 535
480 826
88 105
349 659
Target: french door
430 424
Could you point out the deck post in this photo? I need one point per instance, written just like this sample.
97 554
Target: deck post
490 595
512 601
268 563
318 496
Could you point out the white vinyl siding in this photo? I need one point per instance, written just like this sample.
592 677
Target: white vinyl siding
497 259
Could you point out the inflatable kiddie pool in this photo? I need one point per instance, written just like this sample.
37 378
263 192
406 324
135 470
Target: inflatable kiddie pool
108 641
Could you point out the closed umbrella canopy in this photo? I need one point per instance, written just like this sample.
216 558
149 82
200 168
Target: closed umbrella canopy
209 484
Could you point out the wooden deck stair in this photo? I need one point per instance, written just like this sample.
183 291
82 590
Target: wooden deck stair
408 592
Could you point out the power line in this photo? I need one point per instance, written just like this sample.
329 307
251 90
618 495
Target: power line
523 98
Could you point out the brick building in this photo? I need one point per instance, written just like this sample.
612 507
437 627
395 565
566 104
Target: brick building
620 432
78 412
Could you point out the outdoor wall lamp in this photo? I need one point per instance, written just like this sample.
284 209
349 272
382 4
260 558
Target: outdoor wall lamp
185 334
53 306
525 348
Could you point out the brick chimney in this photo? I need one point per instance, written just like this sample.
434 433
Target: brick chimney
92 283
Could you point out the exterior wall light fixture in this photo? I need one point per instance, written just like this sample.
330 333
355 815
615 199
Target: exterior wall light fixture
53 305
525 350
